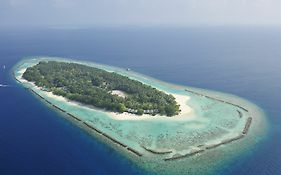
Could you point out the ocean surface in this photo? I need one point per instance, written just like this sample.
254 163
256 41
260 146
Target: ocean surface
243 61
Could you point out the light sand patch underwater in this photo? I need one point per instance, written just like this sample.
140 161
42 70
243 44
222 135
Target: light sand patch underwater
212 128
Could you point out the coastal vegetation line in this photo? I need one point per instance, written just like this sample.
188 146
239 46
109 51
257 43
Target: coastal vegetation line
79 120
100 88
177 156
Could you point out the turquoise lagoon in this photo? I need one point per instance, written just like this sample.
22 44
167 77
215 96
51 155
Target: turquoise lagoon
210 122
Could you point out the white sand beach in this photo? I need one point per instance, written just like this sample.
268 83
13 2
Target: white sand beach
203 124
182 100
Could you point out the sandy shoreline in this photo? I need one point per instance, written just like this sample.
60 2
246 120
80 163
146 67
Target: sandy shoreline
212 129
185 110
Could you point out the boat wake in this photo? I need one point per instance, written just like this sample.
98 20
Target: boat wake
4 85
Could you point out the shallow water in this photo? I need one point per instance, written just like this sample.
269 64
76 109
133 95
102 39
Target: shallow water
219 121
224 63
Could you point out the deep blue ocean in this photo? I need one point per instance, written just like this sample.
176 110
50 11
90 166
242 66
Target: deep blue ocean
35 140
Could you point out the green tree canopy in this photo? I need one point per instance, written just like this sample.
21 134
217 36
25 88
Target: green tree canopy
93 86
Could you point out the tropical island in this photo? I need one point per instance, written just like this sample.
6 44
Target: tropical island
206 128
100 88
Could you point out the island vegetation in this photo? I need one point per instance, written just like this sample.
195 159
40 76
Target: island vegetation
97 87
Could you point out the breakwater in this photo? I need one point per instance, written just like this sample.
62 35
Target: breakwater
156 151
159 152
79 120
240 114
54 106
247 126
76 118
15 78
223 142
180 156
226 141
249 119
113 140
59 109
216 99
208 147
89 126
212 146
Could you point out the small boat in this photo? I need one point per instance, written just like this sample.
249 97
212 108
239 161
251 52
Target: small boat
4 67
128 69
